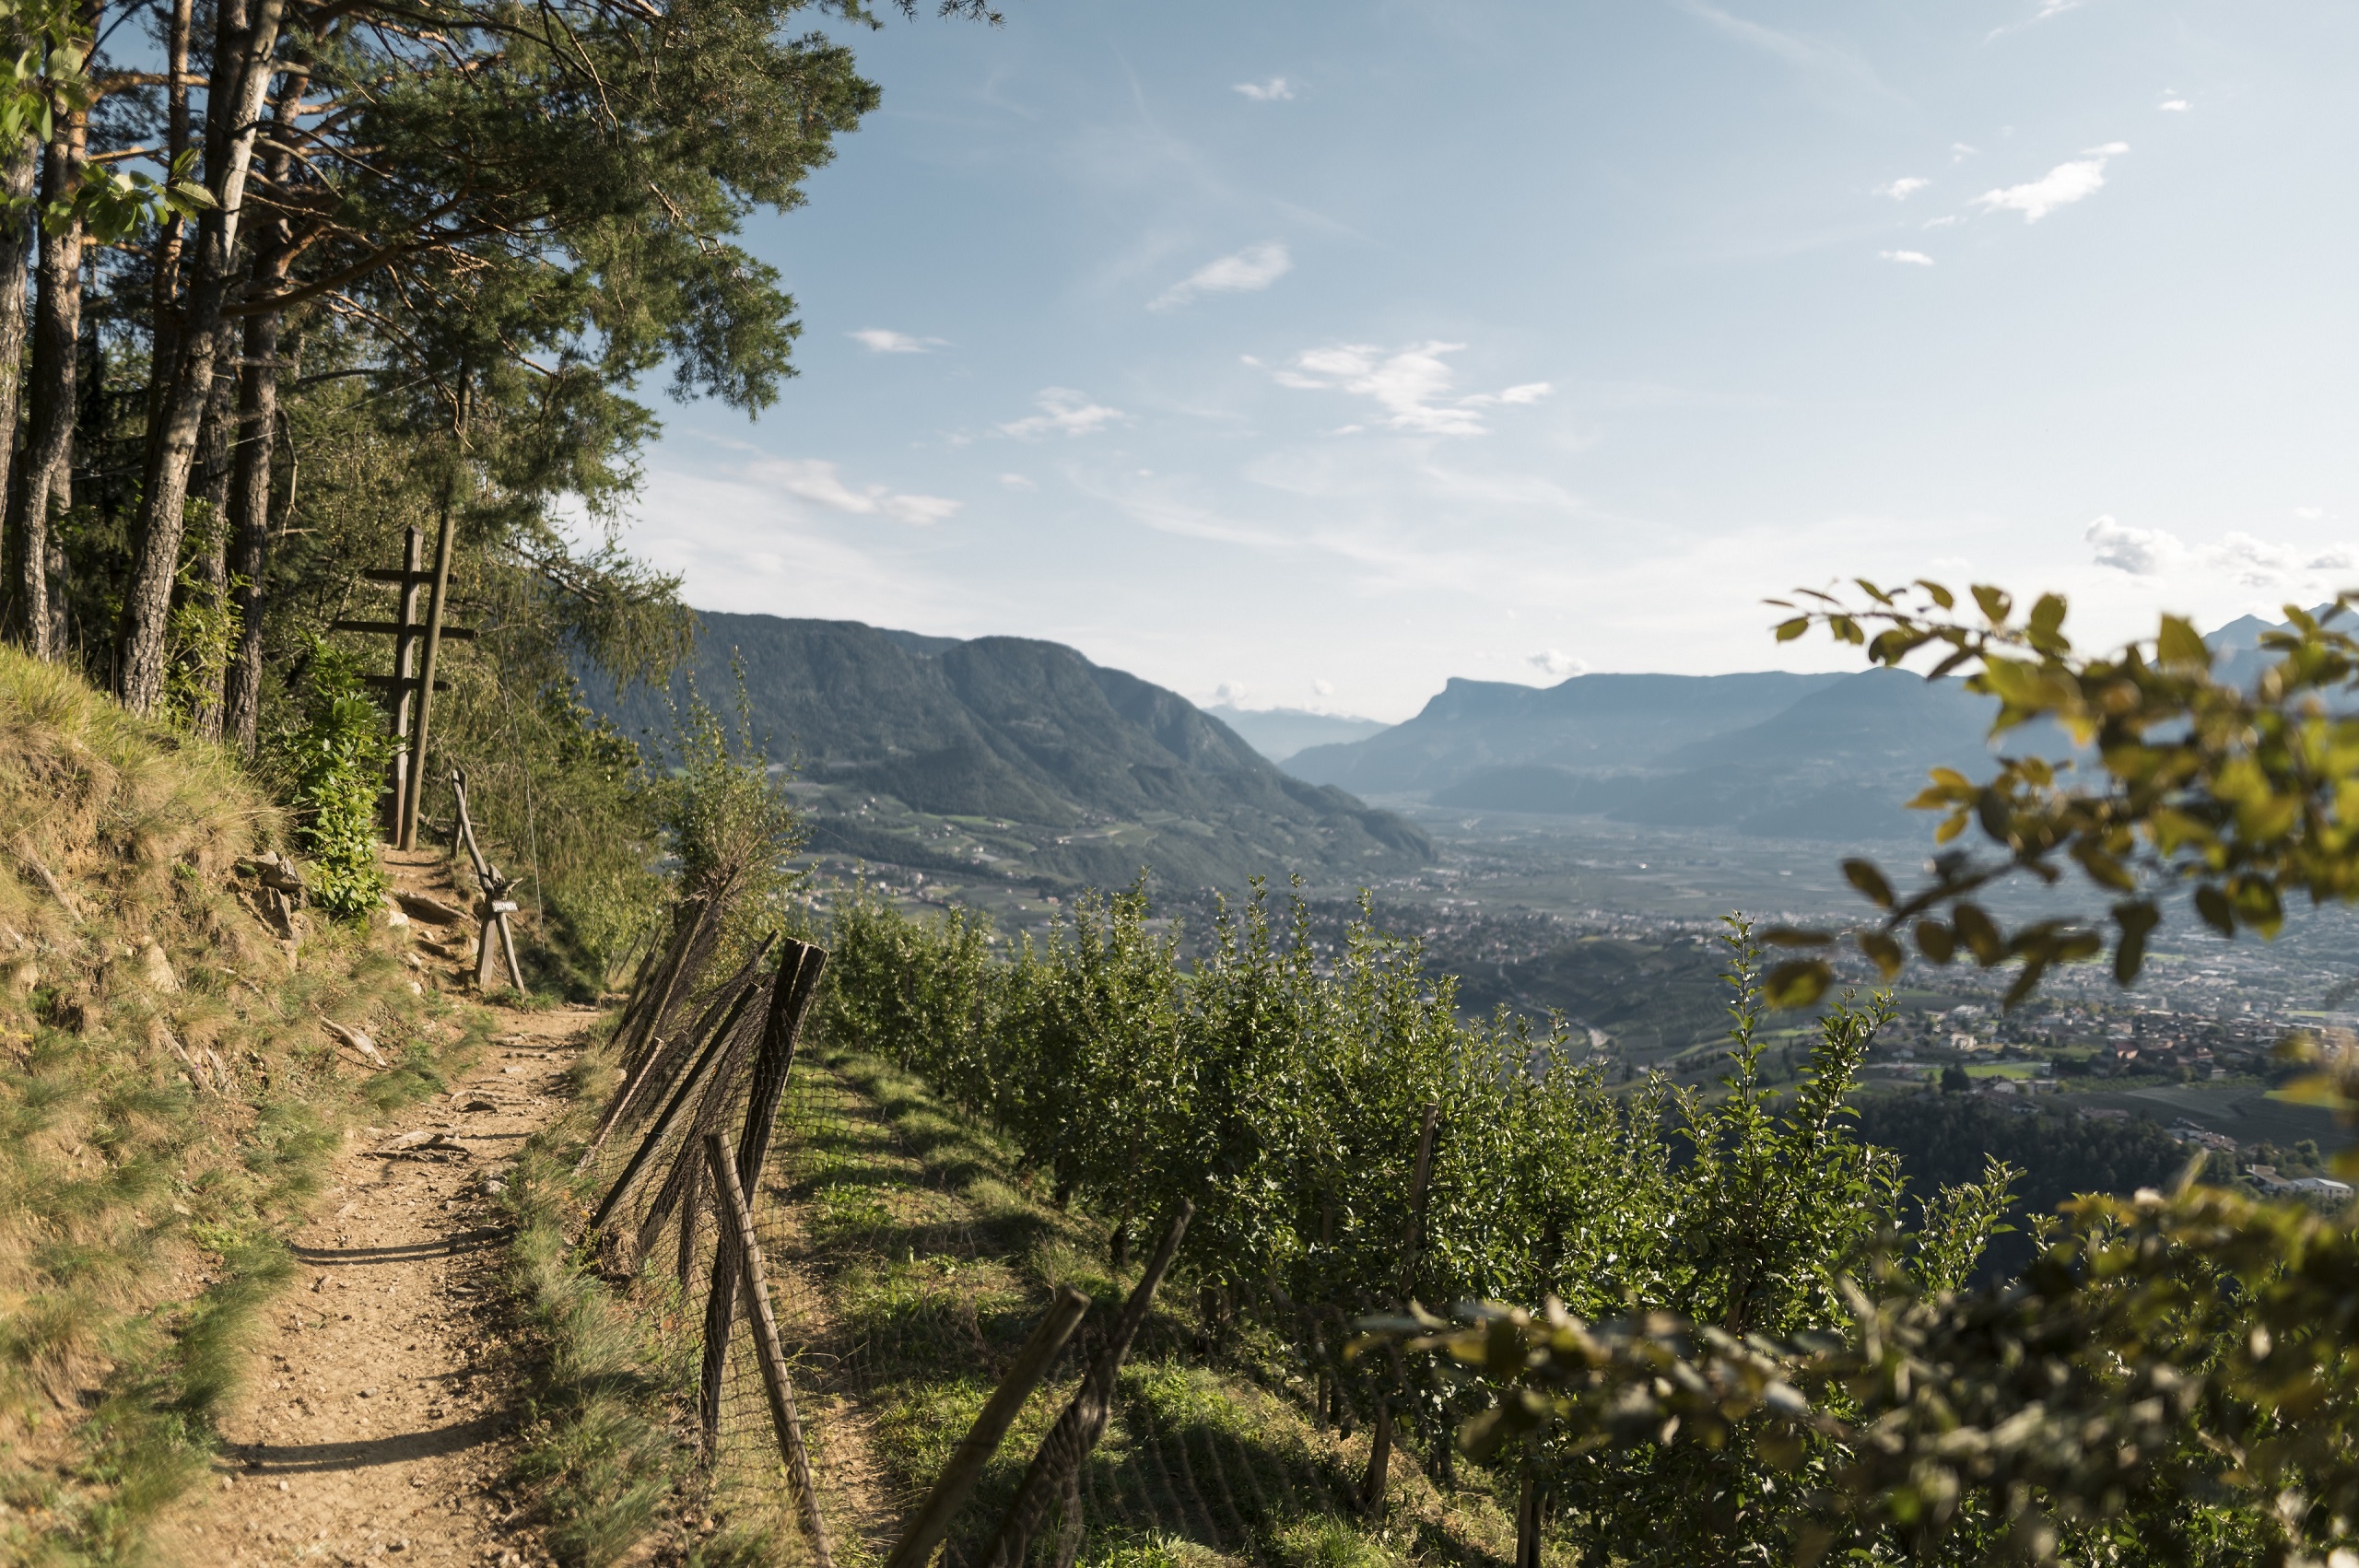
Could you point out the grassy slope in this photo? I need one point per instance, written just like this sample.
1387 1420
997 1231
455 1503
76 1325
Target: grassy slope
167 1100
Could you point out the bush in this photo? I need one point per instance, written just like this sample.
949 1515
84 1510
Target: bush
337 762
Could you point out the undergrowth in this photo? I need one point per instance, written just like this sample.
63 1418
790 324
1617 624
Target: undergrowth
169 1100
609 1447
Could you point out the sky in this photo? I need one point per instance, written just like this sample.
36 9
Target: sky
1310 353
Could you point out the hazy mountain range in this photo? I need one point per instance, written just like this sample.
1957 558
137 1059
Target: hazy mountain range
1773 753
1279 733
1017 757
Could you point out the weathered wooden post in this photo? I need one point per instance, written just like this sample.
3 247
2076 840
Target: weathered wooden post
495 906
1055 1473
791 991
737 1221
957 1482
438 593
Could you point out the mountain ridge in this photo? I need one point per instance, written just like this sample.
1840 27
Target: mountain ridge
1014 754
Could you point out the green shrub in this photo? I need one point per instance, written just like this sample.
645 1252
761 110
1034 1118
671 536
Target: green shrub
337 762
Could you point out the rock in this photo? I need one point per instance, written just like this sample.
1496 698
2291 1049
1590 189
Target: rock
431 910
23 976
356 1040
157 969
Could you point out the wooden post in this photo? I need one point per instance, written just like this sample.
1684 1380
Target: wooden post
772 1356
437 593
654 1073
405 658
1056 1467
495 906
1526 1523
1379 1453
791 991
957 1482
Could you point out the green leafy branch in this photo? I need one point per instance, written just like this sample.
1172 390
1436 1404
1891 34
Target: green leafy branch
2241 797
2162 1347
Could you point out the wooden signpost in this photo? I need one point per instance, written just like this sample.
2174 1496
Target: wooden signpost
415 643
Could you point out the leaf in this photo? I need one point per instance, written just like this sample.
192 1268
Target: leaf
2136 917
2213 904
1994 602
1935 941
2103 868
1792 936
1939 595
1885 950
2180 643
1863 875
1798 982
2047 625
1976 929
1788 630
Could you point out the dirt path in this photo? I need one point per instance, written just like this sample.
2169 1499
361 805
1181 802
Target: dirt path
374 1424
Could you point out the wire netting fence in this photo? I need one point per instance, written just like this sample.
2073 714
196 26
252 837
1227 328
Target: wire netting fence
905 1264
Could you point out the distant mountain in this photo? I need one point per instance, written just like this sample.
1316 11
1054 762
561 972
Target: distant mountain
1017 758
1588 723
1779 756
1279 733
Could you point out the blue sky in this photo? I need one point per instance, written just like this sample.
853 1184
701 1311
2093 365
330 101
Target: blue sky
1310 354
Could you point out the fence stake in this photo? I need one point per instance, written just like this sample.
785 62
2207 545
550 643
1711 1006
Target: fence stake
672 1108
773 1355
1056 1467
791 987
957 1482
1380 1450
657 1069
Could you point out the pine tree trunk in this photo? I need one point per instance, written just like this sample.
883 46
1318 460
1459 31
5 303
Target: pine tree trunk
57 330
25 595
242 65
257 427
213 563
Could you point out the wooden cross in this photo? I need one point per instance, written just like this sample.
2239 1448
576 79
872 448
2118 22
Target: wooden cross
411 638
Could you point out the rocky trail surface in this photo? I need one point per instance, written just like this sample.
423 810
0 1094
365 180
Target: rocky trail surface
375 1422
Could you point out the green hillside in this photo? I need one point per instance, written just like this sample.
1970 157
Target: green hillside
1018 759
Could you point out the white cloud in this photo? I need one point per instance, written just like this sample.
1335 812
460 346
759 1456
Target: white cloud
1961 151
1322 687
812 480
1900 190
1549 661
1412 385
1910 258
2238 558
1276 89
2310 514
1255 267
1063 409
2048 9
2173 105
1017 482
2141 552
1835 64
2060 186
883 340
1943 222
